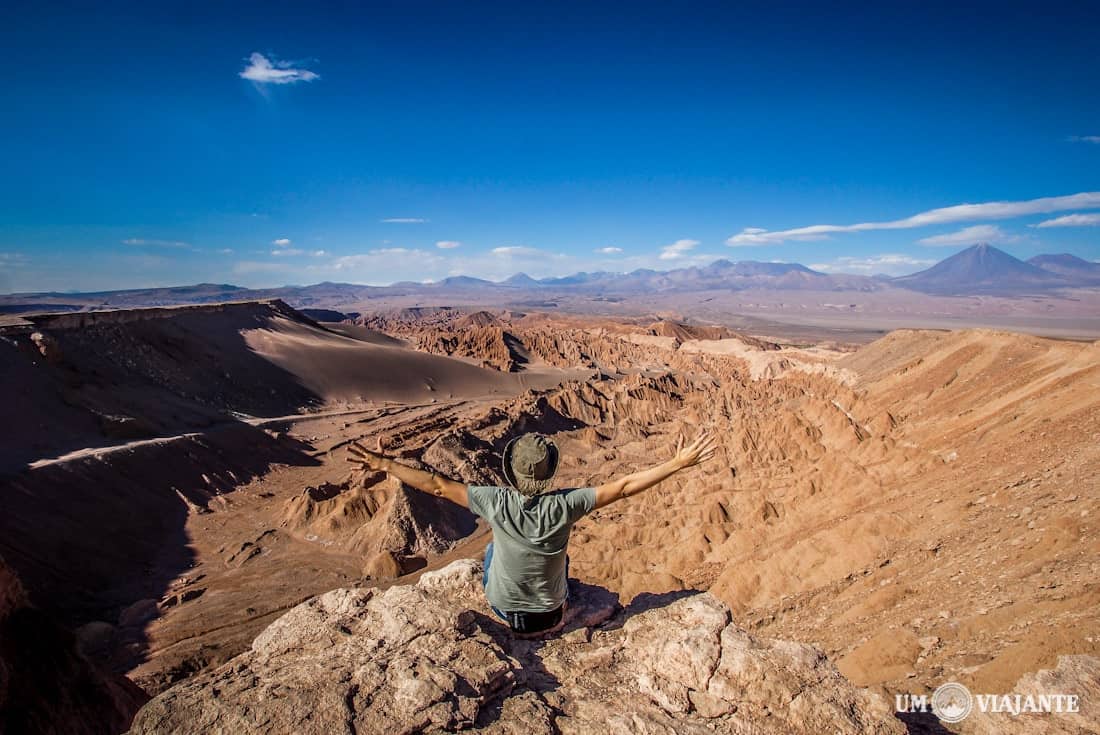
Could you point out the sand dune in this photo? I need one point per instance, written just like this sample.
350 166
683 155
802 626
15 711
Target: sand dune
96 378
340 368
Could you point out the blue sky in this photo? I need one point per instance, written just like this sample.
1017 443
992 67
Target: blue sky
267 144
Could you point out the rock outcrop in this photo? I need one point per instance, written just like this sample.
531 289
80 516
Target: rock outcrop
430 657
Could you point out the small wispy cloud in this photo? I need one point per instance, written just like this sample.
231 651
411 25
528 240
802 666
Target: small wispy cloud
608 250
264 70
250 267
403 259
941 216
148 243
677 249
226 251
517 251
760 236
1084 139
970 236
282 242
294 252
448 244
891 264
404 220
1072 220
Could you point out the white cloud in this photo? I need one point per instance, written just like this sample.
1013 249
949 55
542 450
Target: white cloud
677 249
247 267
1072 220
400 264
226 251
609 251
944 215
892 264
1084 138
970 236
283 250
263 70
395 263
760 236
281 242
448 244
403 220
142 242
521 251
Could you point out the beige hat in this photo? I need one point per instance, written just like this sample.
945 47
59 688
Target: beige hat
530 461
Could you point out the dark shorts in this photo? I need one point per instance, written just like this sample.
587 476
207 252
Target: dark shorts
518 620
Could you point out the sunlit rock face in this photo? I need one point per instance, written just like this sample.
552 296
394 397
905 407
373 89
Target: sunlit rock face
430 657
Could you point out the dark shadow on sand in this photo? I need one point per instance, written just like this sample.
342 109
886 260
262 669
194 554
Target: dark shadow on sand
90 540
91 536
128 377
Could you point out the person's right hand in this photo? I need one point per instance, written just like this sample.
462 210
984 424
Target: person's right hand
698 451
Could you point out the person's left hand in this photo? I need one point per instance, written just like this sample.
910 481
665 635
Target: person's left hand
695 453
366 458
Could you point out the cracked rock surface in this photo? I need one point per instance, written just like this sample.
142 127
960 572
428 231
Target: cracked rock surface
430 657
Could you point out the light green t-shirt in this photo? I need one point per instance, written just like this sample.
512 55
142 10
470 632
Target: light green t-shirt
530 536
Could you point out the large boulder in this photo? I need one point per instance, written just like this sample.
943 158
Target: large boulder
430 657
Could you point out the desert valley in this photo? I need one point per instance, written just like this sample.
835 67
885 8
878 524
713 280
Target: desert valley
648 368
916 505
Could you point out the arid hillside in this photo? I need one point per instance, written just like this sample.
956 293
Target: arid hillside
922 509
130 431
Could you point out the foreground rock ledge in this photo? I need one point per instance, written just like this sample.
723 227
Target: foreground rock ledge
429 658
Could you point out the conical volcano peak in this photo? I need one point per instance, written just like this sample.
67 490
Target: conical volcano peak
980 268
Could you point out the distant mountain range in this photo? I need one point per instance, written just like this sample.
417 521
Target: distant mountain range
1069 266
983 269
980 269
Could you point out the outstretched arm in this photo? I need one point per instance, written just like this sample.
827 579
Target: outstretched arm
427 482
698 451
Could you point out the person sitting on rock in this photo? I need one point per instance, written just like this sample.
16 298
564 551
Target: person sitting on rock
526 567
